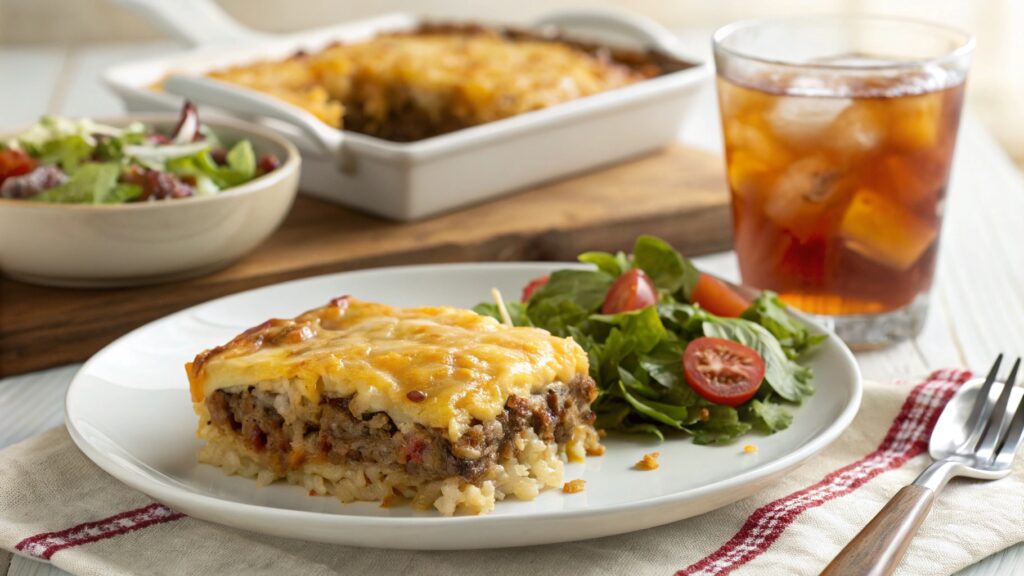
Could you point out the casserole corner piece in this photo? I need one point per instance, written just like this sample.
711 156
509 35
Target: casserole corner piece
437 406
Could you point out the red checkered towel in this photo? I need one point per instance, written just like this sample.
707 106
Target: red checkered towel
57 506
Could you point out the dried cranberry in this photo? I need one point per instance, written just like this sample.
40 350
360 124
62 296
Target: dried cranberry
157 185
267 163
219 155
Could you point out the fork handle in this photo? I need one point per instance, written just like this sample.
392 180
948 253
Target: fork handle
878 548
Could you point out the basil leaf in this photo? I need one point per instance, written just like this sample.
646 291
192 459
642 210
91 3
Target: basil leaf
666 267
643 327
604 261
768 311
567 299
722 426
649 411
767 417
635 384
643 428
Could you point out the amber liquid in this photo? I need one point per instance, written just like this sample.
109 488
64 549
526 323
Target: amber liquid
837 202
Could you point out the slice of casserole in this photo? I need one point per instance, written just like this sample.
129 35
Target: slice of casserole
364 401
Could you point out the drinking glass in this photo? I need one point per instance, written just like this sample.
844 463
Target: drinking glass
839 134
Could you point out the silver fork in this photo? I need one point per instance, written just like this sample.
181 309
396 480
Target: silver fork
976 436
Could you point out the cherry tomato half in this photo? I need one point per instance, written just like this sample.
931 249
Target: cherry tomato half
632 291
722 371
533 286
15 163
717 297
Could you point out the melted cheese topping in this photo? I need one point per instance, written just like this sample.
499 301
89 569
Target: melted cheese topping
474 77
437 366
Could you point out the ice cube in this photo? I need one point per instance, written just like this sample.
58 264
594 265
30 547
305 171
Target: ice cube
736 101
914 181
745 169
753 137
753 154
914 121
804 118
881 230
858 128
803 196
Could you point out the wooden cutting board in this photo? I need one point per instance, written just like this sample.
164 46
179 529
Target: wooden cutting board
678 194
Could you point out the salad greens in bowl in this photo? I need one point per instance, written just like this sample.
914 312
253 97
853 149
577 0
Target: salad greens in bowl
139 199
673 350
61 160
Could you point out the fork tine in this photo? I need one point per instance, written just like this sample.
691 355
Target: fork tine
982 408
995 423
1015 430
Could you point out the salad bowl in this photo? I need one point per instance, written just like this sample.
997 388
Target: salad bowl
101 245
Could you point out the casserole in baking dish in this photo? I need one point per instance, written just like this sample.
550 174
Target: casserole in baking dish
438 78
634 111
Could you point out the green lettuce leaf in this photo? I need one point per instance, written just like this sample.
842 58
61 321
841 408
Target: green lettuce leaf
240 168
93 183
68 152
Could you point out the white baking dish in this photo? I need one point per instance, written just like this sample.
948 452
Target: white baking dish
407 181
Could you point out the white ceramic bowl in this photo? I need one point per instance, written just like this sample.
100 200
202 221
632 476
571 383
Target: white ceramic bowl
149 242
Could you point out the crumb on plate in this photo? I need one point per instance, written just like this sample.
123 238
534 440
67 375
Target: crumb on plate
595 450
574 486
749 449
648 462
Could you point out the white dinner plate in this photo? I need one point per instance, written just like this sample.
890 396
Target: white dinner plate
128 409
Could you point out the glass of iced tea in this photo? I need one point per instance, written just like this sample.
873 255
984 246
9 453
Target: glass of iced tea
839 134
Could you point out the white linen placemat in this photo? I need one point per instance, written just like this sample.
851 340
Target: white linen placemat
55 505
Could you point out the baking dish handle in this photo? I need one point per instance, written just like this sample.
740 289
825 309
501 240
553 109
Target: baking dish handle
195 22
236 99
616 22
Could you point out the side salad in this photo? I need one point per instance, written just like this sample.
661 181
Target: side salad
60 160
672 349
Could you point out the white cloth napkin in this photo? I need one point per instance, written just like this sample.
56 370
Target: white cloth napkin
57 506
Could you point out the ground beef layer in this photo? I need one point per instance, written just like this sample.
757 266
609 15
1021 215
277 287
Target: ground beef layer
286 436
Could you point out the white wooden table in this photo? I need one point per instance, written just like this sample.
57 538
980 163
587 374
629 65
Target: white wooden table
977 308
